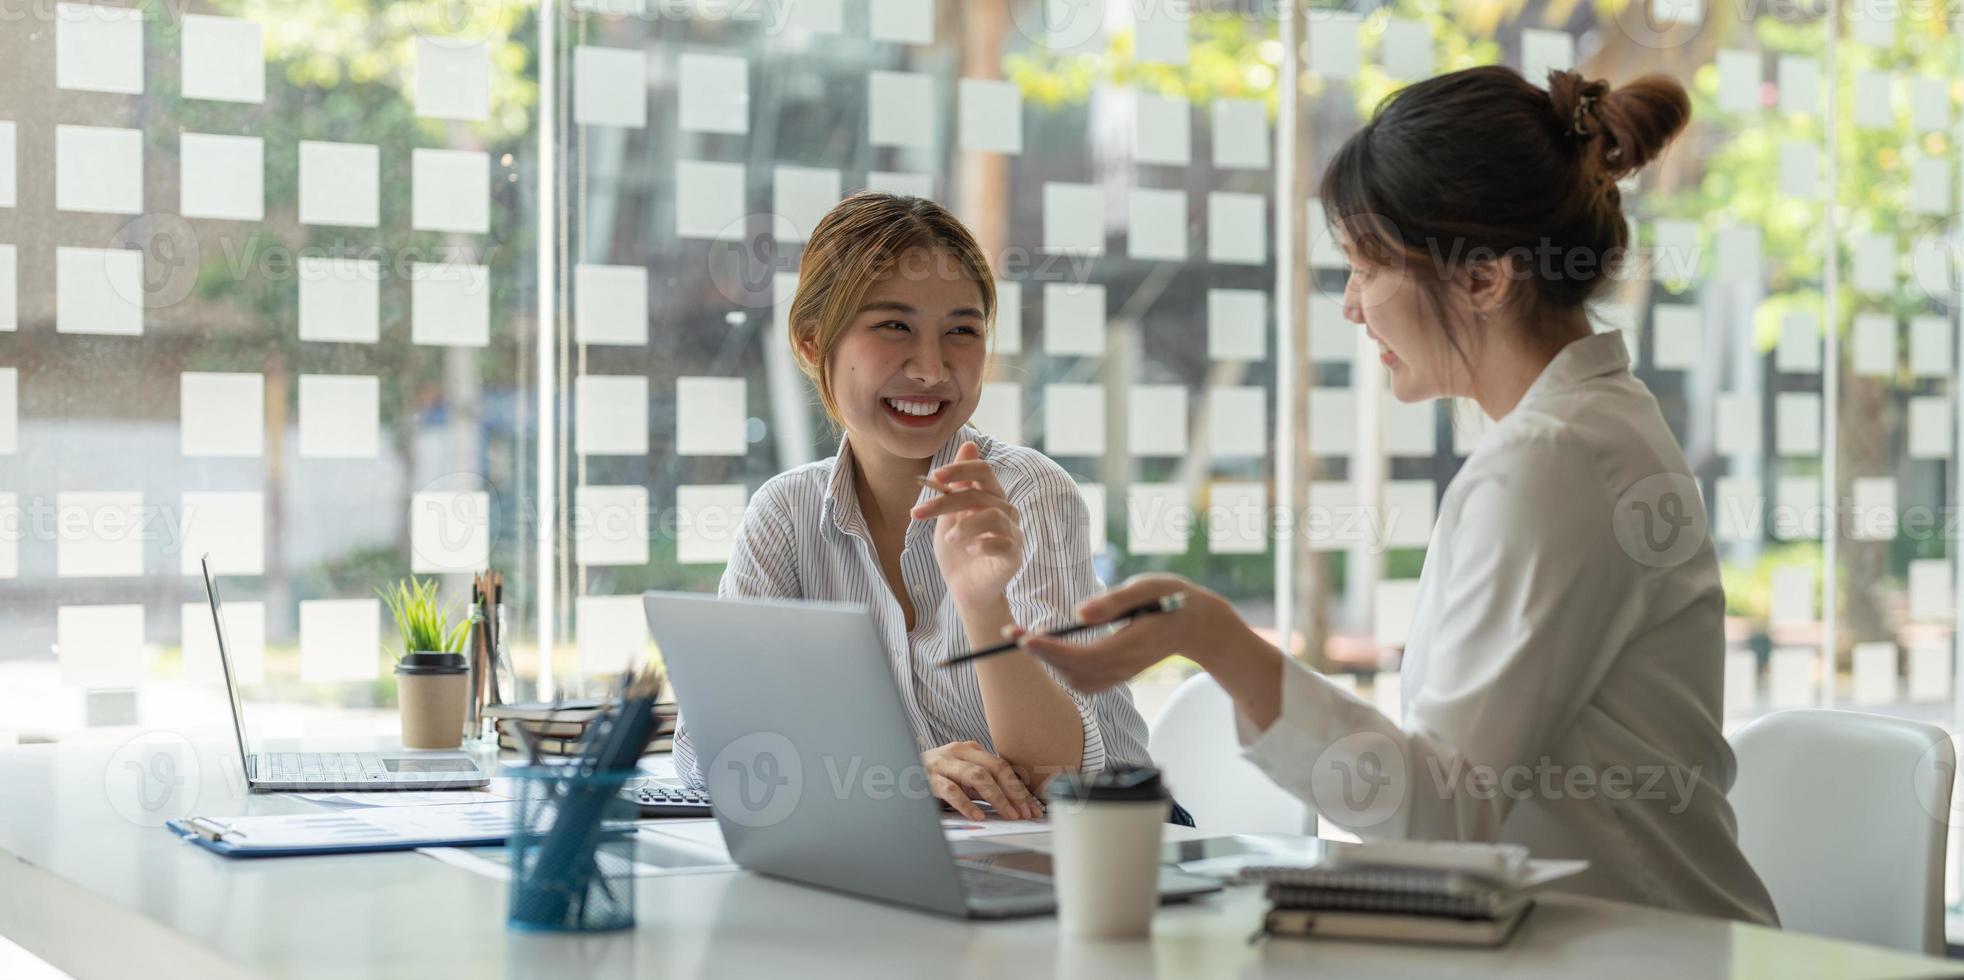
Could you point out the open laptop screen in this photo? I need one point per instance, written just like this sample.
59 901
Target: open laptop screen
225 663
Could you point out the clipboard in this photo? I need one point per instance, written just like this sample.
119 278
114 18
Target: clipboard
349 831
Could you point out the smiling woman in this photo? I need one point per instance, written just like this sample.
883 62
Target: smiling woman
924 520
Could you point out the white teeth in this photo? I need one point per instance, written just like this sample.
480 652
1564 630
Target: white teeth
914 408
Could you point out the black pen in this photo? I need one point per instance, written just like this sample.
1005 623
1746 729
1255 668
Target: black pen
1166 603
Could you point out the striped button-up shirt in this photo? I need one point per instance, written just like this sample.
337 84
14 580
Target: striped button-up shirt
803 537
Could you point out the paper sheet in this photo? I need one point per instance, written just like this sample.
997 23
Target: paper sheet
1156 420
1073 218
1798 514
1000 411
1162 130
340 416
1799 348
1332 421
610 525
1679 342
1237 324
1790 677
222 414
905 185
450 191
1543 51
1797 423
800 197
1873 339
1929 103
1930 420
1929 346
902 21
453 79
610 415
450 304
1738 418
1241 140
1874 668
1410 507
612 304
98 48
1872 508
1929 590
1871 100
1800 170
610 633
1930 671
1237 228
99 169
99 646
709 200
1074 319
1739 77
1800 84
1407 49
1409 428
449 531
708 516
1874 264
245 641
1237 518
1793 595
1158 519
1237 421
340 640
610 87
1009 317
340 299
1160 34
900 109
224 58
713 92
1741 683
1333 48
1394 603
1738 508
1157 230
340 184
221 177
1074 420
990 115
229 525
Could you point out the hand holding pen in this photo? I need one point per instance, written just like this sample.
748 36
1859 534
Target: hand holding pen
1164 604
1163 615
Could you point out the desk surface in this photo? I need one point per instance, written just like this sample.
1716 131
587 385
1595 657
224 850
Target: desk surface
92 884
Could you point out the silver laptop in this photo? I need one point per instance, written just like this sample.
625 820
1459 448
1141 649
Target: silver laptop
281 772
812 768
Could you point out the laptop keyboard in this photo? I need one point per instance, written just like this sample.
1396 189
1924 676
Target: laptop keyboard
984 883
321 767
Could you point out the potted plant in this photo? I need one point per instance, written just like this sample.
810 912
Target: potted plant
432 677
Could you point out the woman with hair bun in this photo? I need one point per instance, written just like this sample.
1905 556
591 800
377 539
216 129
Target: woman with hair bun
1563 672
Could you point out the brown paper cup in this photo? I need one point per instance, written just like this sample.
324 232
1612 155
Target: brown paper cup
433 706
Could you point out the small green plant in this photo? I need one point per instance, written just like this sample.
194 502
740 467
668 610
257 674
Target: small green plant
423 626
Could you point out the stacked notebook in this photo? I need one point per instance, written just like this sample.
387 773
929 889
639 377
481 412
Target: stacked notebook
1409 891
556 727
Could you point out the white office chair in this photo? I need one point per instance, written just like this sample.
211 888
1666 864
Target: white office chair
1193 743
1843 815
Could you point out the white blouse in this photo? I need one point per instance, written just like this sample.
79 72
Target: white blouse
803 537
1563 674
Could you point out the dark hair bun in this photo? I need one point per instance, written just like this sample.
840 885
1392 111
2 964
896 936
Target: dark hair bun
1620 128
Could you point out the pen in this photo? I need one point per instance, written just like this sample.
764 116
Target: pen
1167 603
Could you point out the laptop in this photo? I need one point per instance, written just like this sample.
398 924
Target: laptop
283 772
813 770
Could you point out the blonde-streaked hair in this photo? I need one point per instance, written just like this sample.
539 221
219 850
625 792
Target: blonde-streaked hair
859 241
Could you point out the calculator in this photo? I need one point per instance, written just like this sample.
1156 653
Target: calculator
668 801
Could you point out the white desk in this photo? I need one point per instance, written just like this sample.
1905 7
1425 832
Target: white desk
99 894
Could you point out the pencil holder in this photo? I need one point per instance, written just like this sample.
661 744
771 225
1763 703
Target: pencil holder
572 851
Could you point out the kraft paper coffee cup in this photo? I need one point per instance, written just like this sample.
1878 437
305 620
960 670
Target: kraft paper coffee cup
433 690
1106 834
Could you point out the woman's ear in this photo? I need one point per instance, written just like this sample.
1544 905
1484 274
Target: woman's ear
807 344
1489 283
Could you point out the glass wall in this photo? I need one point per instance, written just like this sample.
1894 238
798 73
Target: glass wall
339 292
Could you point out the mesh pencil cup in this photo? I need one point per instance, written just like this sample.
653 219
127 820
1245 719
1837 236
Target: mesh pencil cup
571 851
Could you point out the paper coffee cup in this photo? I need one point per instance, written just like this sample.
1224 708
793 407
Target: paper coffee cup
1106 832
433 690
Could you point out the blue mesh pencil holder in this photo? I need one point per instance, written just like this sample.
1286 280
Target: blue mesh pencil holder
571 851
